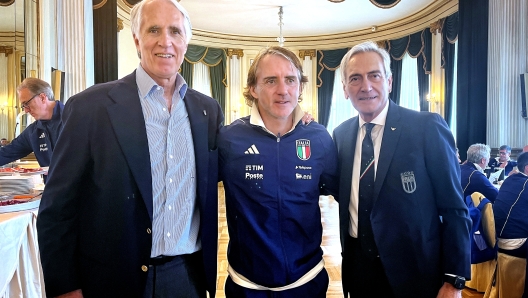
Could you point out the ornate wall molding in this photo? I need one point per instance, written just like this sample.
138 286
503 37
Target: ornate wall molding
306 53
385 3
120 25
99 5
238 52
436 27
6 2
6 50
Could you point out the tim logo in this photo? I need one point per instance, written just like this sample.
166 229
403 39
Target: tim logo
303 149
408 182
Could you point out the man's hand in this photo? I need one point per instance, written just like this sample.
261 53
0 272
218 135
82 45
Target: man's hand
307 118
448 291
73 294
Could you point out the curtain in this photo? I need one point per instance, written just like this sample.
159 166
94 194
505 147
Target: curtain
187 73
449 37
341 108
216 60
424 68
397 49
472 73
327 63
409 95
201 78
418 45
105 42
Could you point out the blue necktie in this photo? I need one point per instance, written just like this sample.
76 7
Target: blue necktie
366 194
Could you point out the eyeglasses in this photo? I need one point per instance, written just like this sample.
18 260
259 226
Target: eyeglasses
25 105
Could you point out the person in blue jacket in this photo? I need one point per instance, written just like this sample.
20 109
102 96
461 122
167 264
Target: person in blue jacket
37 99
274 168
472 177
503 161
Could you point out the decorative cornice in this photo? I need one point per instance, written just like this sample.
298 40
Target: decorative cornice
389 5
238 52
6 50
99 5
305 53
120 25
418 21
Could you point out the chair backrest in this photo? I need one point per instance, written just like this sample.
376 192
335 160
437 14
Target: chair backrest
487 220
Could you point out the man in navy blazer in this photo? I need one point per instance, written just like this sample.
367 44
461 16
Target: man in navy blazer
420 228
472 177
130 207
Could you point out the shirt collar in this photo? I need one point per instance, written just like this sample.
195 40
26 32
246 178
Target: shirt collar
256 119
146 84
479 168
380 119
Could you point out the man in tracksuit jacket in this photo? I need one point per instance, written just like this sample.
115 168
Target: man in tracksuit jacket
36 98
274 168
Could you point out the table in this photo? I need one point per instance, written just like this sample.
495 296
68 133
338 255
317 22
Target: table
20 269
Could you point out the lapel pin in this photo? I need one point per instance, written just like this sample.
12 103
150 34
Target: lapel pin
393 128
205 113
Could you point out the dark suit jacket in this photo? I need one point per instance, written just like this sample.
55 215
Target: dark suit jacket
472 180
421 232
95 218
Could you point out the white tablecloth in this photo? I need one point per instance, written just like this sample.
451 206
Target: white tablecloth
20 269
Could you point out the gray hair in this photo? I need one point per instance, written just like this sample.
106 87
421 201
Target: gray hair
37 86
367 46
477 152
136 15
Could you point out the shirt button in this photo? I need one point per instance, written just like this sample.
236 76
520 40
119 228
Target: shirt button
144 268
170 207
149 231
170 156
170 180
164 109
159 88
168 234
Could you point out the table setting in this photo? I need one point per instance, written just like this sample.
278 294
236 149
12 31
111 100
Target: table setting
20 269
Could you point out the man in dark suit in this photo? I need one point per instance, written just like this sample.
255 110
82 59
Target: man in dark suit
472 177
130 208
406 233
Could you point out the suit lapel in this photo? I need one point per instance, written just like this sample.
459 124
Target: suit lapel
347 156
198 117
128 123
391 134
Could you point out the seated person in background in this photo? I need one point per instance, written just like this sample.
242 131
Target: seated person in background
511 221
503 161
36 98
511 208
472 177
3 142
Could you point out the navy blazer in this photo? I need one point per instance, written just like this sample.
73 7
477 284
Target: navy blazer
473 180
95 218
420 222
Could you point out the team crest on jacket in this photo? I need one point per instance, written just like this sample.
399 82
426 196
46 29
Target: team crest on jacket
303 149
408 182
